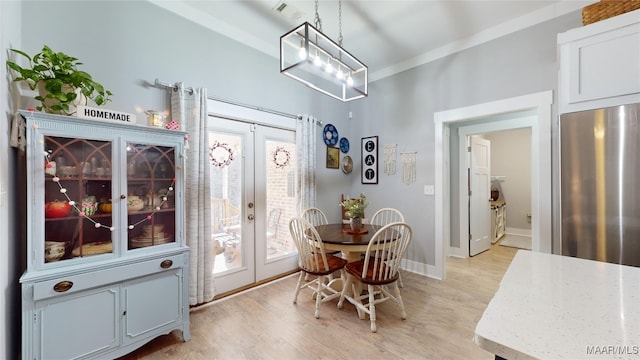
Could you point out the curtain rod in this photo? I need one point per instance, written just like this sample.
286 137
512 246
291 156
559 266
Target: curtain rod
159 83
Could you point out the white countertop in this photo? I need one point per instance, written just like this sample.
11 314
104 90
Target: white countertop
559 307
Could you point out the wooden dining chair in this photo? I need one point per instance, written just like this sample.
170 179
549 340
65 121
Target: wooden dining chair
386 216
315 216
379 271
313 260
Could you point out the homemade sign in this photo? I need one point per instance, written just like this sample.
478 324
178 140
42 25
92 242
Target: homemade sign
86 112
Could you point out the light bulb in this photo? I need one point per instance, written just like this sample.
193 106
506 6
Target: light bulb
317 61
302 53
350 80
329 67
339 73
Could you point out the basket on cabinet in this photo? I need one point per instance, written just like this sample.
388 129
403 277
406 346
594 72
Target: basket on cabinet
605 9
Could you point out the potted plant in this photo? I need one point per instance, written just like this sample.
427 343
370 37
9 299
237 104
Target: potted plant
355 210
60 84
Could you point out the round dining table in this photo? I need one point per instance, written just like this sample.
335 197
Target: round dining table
339 237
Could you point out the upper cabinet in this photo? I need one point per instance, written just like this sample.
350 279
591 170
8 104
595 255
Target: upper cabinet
106 257
96 189
600 64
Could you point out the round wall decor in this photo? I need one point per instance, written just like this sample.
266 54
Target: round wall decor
330 135
344 145
347 164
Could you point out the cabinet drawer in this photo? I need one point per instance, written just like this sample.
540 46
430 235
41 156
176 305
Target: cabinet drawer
74 283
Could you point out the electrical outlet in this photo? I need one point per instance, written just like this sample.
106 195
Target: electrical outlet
429 190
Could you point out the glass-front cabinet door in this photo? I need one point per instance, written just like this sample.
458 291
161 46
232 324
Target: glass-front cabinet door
101 194
151 198
77 182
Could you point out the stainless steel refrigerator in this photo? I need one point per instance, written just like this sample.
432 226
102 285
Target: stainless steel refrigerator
600 184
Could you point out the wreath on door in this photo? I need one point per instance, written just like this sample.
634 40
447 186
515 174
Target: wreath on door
281 157
220 154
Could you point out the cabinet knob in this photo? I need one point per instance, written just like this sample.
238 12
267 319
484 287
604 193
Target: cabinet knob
123 196
166 264
63 286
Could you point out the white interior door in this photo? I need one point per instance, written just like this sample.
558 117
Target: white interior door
252 195
479 190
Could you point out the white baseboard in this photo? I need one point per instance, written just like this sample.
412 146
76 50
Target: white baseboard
457 252
516 231
421 269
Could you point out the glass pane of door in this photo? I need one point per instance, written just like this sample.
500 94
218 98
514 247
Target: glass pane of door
226 156
281 200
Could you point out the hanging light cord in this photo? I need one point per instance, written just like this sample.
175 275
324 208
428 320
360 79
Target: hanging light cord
339 22
317 20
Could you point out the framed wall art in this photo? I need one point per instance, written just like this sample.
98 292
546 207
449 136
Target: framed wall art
333 157
370 160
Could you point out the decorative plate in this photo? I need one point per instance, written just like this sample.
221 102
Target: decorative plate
347 164
330 135
344 145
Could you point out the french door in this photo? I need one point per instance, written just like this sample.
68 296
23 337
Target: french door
253 198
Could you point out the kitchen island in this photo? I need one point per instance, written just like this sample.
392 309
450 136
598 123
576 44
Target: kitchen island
557 307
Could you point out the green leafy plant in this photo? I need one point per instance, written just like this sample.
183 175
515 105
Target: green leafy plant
58 80
355 207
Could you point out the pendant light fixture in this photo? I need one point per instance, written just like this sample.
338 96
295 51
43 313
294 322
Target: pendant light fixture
311 57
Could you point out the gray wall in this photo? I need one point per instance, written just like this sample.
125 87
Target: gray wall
131 43
400 110
511 158
125 44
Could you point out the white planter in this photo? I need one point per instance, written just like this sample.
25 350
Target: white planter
48 103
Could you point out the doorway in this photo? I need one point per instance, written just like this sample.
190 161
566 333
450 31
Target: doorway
539 106
253 198
510 170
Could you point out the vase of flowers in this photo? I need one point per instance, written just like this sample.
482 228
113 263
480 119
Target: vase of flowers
355 210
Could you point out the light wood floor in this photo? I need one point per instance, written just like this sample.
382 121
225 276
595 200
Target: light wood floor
263 323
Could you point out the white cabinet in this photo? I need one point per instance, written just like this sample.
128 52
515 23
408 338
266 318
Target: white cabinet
121 275
599 64
498 220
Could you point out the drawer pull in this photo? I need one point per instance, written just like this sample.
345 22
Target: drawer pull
166 264
63 286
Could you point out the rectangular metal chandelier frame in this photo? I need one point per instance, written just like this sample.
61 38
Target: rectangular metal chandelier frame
309 56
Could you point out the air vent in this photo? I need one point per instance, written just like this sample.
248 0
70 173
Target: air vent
288 11
281 7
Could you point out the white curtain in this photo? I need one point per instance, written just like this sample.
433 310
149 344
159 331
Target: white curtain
306 155
189 108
